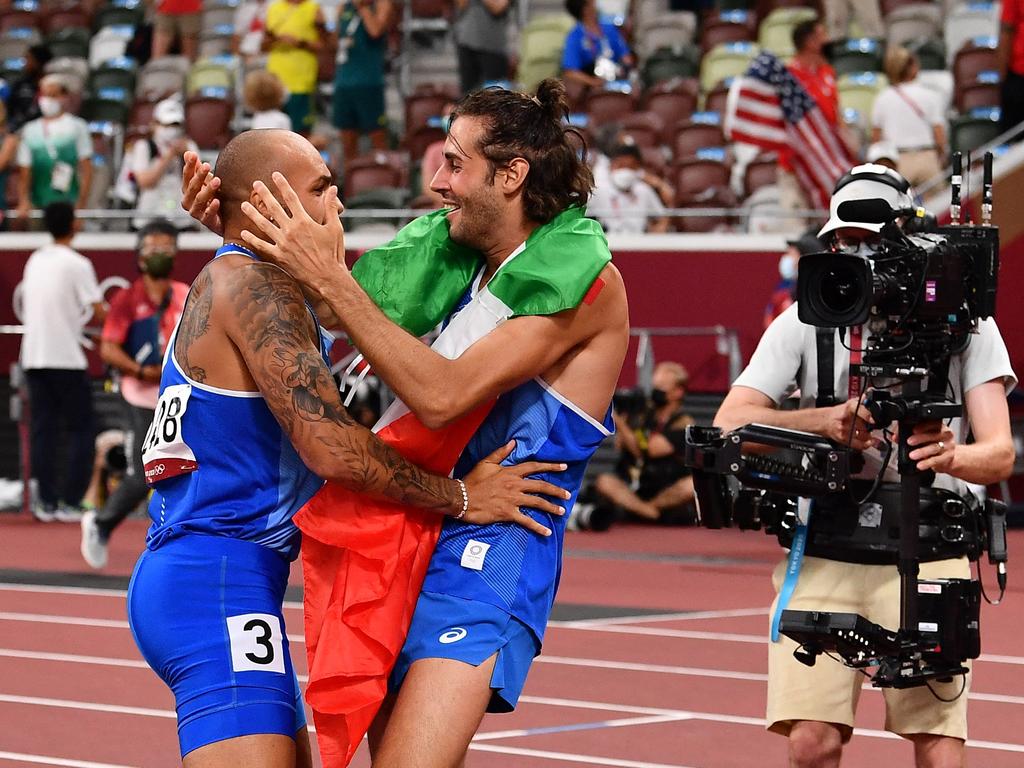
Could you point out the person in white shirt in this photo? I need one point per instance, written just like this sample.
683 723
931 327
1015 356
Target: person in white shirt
250 23
59 296
263 94
911 116
627 204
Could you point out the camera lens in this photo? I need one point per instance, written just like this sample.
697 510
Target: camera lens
840 289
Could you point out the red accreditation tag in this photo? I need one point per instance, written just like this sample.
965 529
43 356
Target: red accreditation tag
595 290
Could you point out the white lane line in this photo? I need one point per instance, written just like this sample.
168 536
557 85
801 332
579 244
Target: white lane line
89 706
18 757
678 616
85 621
90 591
662 669
73 658
618 723
688 634
570 757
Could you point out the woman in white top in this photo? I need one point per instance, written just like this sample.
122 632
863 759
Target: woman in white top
911 116
155 164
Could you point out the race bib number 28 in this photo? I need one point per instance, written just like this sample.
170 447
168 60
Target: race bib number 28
165 454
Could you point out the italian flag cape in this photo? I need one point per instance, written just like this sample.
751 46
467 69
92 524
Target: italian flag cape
364 560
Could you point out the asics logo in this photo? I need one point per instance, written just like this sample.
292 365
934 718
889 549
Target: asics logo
453 635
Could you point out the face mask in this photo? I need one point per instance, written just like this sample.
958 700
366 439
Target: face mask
158 264
49 106
659 397
624 178
787 268
165 134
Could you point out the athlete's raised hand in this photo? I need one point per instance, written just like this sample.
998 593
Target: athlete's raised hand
496 493
309 250
198 193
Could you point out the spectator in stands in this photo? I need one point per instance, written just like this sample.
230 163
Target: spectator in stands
784 294
481 40
293 37
22 104
250 22
868 14
59 294
650 481
264 95
180 20
628 203
155 164
8 155
1011 64
358 106
595 52
141 320
816 75
108 468
55 154
911 116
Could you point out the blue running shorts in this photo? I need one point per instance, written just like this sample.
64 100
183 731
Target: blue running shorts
205 612
445 627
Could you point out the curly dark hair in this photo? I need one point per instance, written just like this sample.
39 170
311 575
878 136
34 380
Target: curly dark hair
533 128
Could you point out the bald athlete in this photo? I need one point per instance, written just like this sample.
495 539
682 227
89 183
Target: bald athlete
248 424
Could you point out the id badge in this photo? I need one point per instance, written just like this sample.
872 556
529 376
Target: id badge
343 45
61 177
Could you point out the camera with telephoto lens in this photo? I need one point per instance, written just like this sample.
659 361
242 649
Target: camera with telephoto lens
630 402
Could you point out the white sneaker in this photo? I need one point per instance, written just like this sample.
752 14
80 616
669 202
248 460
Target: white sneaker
94 548
67 514
44 513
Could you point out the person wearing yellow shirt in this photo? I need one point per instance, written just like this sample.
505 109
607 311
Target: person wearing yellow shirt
294 34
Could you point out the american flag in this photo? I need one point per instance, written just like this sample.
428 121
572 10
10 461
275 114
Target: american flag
770 109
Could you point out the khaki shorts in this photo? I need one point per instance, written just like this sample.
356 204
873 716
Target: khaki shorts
183 24
828 691
919 166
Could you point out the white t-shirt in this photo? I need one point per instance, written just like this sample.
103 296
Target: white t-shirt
58 290
625 212
271 118
909 127
163 200
789 348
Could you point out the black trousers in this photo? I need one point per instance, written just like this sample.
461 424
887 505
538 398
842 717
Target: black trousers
133 488
61 397
477 67
1012 109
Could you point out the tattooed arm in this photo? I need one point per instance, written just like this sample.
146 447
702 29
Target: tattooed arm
261 309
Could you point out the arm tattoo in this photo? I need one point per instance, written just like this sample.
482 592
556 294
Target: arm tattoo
280 344
195 319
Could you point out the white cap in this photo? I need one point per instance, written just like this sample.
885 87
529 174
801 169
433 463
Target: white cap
882 150
169 112
867 182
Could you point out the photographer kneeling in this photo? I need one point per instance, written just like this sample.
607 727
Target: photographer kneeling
650 482
814 705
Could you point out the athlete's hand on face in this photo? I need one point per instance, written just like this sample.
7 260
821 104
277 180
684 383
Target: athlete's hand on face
309 251
496 493
850 424
933 446
198 193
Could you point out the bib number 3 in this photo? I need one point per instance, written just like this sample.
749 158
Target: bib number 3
165 454
256 643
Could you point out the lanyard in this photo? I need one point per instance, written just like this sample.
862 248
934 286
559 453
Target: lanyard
856 333
793 564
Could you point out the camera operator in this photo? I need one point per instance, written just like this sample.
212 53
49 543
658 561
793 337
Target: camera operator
814 706
649 480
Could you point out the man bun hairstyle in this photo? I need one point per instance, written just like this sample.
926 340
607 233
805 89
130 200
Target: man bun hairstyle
517 125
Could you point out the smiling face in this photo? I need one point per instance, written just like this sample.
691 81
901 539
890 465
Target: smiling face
467 185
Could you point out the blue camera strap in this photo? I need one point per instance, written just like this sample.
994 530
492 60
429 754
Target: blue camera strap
793 564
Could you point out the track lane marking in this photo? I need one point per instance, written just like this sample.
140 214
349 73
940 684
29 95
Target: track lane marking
19 757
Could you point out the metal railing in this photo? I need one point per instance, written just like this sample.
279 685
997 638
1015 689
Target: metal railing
727 344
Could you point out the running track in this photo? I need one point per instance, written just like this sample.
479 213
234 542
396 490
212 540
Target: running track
656 659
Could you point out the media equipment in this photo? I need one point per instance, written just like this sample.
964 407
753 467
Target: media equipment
920 296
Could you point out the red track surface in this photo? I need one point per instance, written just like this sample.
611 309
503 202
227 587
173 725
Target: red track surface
656 692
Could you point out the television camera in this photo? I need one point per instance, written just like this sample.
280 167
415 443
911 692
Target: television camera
920 297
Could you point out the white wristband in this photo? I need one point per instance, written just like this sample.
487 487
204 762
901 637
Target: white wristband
465 500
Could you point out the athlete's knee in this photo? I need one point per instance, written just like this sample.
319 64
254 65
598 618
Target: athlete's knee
814 745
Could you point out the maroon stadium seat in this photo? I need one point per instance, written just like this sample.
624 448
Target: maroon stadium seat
673 102
646 128
365 173
718 30
971 60
762 171
208 121
419 108
690 137
977 95
608 106
716 98
418 141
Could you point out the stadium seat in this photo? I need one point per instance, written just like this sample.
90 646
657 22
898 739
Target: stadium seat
216 41
109 43
725 61
914 21
418 140
702 183
857 55
107 105
421 107
858 91
664 64
761 211
654 160
140 119
209 73
775 34
366 173
762 171
540 48
217 16
931 52
967 22
118 15
645 128
161 77
380 198
973 130
14 43
75 71
114 73
727 27
70 41
18 19
690 137
667 30
102 180
208 121
64 18
715 100
608 106
11 68
673 102
979 95
970 61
